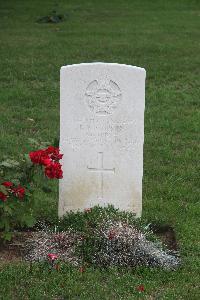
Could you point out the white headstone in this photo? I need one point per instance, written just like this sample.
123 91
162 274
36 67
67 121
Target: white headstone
101 136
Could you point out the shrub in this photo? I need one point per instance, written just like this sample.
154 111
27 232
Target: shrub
17 185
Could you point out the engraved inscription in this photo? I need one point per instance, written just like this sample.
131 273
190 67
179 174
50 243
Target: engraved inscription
102 97
93 132
100 169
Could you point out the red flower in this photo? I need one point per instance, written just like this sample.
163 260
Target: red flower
45 156
111 235
54 170
87 210
49 158
7 184
52 256
46 161
3 197
37 157
140 288
19 192
50 150
54 153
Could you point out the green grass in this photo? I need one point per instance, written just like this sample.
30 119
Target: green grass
162 37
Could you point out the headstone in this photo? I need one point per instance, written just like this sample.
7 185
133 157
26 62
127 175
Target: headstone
101 136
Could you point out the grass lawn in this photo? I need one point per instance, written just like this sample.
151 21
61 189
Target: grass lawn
162 37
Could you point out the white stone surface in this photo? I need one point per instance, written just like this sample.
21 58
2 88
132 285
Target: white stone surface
101 136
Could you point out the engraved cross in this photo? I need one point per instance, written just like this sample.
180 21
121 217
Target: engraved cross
101 170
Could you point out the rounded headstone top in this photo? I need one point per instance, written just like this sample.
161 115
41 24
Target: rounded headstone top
104 64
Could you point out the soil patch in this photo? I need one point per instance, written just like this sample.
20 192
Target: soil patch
11 252
167 235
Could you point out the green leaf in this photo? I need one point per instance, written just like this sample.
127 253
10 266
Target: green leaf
1 224
16 181
4 223
29 190
9 163
8 210
28 160
28 220
3 189
7 236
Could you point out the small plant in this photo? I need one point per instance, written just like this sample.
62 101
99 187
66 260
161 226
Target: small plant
16 194
15 208
140 288
53 261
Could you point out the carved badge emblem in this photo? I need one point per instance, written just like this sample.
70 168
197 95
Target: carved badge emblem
103 98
